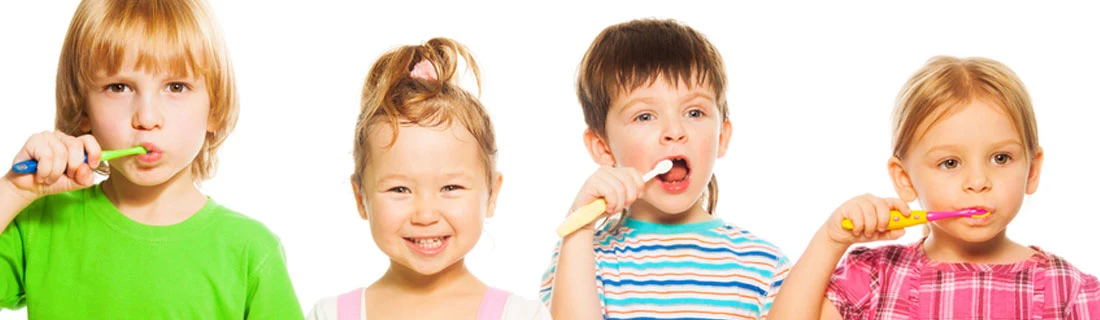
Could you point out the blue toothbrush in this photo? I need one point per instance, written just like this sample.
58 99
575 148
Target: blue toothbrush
31 166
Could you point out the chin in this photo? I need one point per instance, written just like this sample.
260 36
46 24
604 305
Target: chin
427 267
148 178
976 235
673 204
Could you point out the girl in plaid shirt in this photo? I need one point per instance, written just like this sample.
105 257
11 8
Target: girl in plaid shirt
964 137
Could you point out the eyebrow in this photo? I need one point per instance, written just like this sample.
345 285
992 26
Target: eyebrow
1001 144
631 102
697 95
692 96
446 176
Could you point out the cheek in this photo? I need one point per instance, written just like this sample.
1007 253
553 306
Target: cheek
631 148
385 218
934 189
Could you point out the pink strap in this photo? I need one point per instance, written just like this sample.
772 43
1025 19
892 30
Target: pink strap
349 304
492 306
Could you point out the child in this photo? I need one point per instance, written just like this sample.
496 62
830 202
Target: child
145 243
425 178
964 137
653 90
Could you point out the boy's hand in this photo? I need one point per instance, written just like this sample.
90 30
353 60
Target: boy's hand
869 215
620 187
61 166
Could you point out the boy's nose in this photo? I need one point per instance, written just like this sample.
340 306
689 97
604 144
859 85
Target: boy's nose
147 113
673 132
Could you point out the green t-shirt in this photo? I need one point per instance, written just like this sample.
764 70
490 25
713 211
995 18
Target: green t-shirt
74 256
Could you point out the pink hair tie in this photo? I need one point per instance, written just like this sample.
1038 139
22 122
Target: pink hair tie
424 70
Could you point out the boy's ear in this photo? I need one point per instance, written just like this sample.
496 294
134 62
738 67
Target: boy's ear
359 203
903 185
598 148
498 178
1035 167
724 137
212 124
85 123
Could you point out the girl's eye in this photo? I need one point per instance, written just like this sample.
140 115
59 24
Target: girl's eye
117 88
949 164
452 187
1000 159
644 117
695 114
399 190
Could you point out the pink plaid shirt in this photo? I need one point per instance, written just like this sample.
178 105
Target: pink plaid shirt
900 282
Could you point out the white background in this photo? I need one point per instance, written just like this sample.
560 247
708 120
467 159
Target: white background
811 90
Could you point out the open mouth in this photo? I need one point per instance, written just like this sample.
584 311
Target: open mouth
677 179
679 172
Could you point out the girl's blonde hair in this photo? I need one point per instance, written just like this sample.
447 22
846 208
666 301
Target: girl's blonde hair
179 37
629 55
392 97
946 84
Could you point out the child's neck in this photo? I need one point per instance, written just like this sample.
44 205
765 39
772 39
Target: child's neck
167 203
452 279
942 247
644 211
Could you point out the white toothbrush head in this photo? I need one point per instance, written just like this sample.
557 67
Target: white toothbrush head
661 167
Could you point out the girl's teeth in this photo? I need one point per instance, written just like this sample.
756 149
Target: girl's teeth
428 243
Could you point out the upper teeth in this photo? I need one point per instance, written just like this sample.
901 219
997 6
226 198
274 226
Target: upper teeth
428 242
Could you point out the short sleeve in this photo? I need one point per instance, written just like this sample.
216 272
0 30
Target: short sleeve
546 289
852 283
13 255
782 268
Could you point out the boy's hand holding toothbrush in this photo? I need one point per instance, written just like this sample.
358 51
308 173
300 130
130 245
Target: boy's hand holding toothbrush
609 190
618 187
869 217
62 165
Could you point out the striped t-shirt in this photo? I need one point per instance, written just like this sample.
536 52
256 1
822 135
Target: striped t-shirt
705 270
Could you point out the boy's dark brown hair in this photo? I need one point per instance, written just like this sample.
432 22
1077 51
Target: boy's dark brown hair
632 54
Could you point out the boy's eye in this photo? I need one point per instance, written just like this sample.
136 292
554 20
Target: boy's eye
644 117
177 87
695 114
117 88
452 187
1000 159
399 190
949 164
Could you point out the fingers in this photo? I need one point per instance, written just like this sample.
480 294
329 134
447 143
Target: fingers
899 205
870 217
74 150
882 214
92 148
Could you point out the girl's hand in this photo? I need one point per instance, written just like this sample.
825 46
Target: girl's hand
869 215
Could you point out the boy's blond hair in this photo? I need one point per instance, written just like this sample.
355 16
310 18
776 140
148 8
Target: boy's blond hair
174 36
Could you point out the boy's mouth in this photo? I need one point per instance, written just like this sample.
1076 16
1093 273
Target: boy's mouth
677 179
679 172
